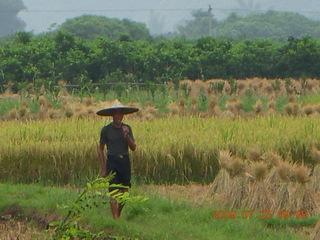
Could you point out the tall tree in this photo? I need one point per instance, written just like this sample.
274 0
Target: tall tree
9 21
201 26
91 27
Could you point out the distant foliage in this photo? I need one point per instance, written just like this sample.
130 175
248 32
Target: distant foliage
277 25
201 26
47 59
91 27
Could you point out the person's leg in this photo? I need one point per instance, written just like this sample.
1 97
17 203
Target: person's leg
121 205
114 208
111 169
123 177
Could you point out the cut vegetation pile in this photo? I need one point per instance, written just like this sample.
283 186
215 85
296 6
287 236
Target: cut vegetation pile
213 98
249 185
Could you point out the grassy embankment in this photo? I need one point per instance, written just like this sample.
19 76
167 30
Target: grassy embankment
157 218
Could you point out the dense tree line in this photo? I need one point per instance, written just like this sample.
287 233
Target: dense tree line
63 56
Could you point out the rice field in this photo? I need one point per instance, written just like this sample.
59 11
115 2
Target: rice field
258 149
170 150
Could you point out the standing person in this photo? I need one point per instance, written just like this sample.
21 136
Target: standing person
118 138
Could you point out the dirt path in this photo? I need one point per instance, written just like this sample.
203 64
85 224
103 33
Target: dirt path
194 193
18 230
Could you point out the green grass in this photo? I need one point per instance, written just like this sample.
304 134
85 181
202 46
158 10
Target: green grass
7 104
309 99
157 218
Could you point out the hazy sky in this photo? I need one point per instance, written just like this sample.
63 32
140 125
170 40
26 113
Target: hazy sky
159 15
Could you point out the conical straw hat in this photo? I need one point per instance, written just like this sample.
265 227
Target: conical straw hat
115 106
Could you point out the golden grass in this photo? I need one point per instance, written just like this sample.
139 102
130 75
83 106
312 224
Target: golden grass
172 150
193 142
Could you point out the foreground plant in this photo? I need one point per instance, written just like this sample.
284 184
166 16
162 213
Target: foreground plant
95 194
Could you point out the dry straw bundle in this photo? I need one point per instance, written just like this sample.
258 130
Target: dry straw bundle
213 109
182 107
255 154
272 179
174 108
259 196
283 170
315 235
239 186
230 183
235 106
303 198
236 167
222 180
315 179
258 107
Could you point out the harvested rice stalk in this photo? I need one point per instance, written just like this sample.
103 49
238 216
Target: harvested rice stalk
284 171
259 170
255 154
236 167
221 183
303 198
259 196
315 155
315 179
230 167
237 192
301 174
273 180
272 158
316 232
283 194
282 201
224 158
222 180
258 107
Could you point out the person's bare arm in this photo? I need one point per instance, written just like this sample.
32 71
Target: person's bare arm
132 145
101 160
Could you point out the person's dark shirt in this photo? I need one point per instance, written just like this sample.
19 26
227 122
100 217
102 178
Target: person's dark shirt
114 139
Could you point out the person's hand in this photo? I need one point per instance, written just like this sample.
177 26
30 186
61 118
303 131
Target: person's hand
125 130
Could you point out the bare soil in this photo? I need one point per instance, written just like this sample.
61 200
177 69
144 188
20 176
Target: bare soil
16 225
